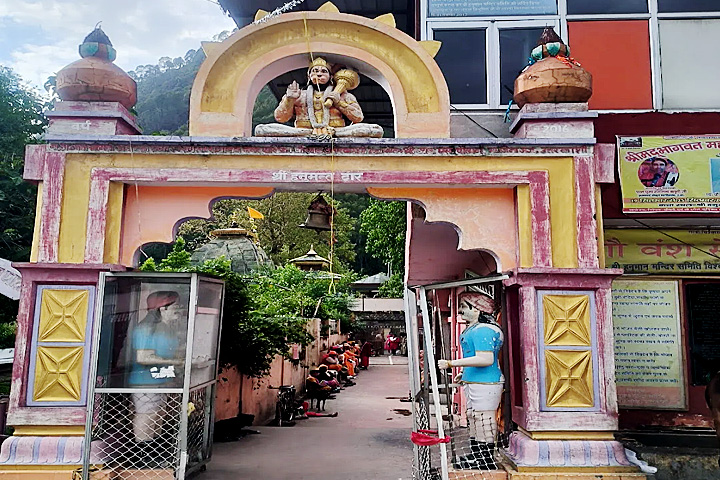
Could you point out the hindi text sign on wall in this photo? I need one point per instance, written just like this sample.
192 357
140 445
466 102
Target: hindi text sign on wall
648 345
683 252
670 174
481 8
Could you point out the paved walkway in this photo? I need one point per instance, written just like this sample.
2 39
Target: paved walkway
368 440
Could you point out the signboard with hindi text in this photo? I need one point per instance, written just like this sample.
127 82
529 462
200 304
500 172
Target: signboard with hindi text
648 345
492 8
670 174
680 252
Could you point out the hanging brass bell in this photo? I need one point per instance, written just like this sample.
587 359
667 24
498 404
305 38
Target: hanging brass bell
319 215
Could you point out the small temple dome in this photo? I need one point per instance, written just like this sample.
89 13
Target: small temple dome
311 261
237 245
94 78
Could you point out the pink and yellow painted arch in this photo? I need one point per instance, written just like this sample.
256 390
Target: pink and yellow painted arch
235 70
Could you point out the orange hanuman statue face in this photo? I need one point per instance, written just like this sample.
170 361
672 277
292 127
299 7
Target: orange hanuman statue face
319 75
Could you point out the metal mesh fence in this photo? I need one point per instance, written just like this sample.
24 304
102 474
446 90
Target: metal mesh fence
135 436
473 451
199 427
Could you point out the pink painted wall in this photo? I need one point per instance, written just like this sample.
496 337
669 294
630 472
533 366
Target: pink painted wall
252 395
433 254
150 213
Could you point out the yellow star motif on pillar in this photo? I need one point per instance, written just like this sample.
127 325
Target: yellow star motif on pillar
569 378
567 319
64 315
58 373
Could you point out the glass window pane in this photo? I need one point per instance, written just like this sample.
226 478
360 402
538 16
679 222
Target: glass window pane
143 332
668 6
490 8
515 47
462 60
205 336
687 81
582 7
633 88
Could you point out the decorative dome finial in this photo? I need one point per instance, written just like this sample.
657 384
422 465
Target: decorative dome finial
94 78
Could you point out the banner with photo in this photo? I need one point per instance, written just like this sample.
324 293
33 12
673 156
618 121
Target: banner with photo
648 251
670 174
471 8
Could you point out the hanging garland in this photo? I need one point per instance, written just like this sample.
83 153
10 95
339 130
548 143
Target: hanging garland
278 11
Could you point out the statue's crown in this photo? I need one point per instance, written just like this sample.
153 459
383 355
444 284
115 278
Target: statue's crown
319 62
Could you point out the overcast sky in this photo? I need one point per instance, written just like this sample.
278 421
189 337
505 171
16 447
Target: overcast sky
39 37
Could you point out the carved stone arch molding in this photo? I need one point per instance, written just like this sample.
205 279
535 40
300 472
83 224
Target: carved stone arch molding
235 70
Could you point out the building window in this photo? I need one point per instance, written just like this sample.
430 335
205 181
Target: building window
652 71
481 60
586 7
632 87
687 80
463 62
674 6
515 45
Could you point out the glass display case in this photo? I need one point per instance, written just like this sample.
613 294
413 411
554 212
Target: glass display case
154 365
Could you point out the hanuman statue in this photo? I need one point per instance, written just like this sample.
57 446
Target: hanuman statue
320 110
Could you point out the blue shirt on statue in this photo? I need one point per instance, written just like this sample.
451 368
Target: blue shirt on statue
153 335
482 337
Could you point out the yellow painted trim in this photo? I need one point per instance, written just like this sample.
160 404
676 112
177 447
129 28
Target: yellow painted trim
564 232
525 238
260 14
387 19
73 224
600 227
73 213
28 469
220 89
328 7
583 470
113 226
49 430
431 46
210 47
36 230
574 435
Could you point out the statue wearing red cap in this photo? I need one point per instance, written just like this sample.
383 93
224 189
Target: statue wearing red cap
156 352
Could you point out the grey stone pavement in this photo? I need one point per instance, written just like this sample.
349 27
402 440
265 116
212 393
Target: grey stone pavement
368 440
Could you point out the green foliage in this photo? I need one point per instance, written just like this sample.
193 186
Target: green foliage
384 223
394 287
279 233
21 123
164 93
289 291
7 334
267 312
163 105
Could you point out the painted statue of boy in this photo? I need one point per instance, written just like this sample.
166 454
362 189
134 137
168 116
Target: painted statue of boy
157 354
481 377
320 110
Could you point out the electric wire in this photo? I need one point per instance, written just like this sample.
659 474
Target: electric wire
674 238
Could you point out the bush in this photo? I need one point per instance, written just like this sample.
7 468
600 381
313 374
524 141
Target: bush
268 311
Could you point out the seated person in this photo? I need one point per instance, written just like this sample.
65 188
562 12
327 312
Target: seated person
331 360
325 376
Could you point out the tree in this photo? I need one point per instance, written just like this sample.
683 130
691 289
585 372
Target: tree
267 311
384 223
21 123
279 232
